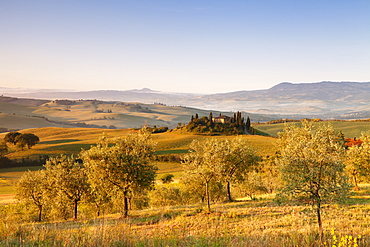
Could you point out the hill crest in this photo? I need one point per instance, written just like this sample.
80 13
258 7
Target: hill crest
340 100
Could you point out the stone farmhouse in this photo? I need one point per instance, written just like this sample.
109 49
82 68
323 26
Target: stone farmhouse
222 119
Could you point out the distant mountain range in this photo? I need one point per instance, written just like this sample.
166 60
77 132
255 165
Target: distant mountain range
341 100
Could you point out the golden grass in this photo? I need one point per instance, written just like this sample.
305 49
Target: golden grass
246 223
6 199
168 167
55 141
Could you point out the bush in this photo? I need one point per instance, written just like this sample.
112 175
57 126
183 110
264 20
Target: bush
168 178
165 196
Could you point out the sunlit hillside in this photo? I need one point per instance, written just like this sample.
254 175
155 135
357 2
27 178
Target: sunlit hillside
28 113
55 141
349 129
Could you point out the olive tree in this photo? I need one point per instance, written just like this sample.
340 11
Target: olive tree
124 166
203 162
222 160
237 160
31 187
311 163
67 178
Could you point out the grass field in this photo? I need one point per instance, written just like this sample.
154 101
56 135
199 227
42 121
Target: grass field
261 222
55 141
350 129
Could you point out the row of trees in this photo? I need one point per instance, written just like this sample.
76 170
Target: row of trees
312 165
101 173
122 169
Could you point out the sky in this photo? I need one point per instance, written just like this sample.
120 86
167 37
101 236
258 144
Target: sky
192 46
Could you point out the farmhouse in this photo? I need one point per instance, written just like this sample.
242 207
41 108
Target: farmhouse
222 119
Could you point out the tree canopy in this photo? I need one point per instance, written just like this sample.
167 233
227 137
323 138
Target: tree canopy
31 187
22 140
124 166
68 180
216 160
11 136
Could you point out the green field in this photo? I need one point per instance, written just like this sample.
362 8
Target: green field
350 129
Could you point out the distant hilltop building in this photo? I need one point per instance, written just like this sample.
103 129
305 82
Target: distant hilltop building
222 124
222 119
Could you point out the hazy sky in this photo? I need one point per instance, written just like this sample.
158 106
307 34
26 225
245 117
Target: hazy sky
182 46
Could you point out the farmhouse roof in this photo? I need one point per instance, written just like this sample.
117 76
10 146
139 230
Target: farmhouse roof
349 142
222 117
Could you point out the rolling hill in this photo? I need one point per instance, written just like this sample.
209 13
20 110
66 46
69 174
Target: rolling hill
23 113
349 129
338 100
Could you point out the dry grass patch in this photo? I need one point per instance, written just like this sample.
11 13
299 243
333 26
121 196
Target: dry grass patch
253 223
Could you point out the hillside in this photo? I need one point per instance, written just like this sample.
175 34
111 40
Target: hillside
22 113
28 113
338 100
349 129
55 141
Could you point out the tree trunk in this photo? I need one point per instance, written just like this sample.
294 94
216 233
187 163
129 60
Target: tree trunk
75 209
40 213
208 198
125 206
318 211
355 183
97 205
229 198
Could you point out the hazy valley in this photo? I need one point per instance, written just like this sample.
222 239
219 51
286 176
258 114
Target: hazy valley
339 100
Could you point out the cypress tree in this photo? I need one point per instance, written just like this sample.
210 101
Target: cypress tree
238 118
211 117
196 116
248 124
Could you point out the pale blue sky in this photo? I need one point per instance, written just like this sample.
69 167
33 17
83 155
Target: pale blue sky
182 46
